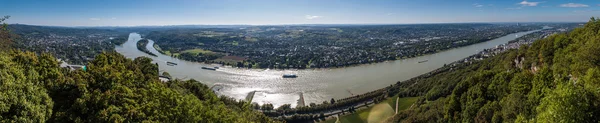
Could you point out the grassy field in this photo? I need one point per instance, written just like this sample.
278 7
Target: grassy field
168 53
227 59
378 112
194 51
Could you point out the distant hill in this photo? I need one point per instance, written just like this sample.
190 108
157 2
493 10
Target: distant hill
556 79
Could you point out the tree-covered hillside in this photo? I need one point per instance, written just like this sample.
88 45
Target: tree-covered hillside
113 89
33 88
556 79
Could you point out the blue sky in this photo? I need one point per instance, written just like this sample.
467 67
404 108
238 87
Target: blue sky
263 12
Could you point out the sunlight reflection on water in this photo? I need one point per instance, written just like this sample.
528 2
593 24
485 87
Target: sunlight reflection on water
317 85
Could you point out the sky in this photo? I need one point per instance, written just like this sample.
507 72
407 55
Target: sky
278 12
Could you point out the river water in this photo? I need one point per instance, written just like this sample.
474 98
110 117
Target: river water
317 85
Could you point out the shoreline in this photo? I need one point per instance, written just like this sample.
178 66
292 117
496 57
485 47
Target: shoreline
328 68
413 61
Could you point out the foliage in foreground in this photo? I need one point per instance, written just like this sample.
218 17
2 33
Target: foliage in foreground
114 89
33 88
556 79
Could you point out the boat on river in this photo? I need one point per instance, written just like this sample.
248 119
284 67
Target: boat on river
423 61
171 63
290 76
208 68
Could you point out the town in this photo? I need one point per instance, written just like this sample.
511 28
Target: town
517 43
322 46
72 45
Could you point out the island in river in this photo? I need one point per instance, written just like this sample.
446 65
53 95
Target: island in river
141 45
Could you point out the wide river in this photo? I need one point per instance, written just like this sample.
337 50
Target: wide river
317 85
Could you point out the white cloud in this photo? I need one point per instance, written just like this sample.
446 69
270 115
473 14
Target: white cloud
574 5
477 5
310 17
390 14
113 18
95 19
525 3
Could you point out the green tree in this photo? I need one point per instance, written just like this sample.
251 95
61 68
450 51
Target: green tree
5 36
284 107
21 98
566 104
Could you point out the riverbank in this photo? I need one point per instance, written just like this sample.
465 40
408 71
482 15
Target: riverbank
350 104
317 85
236 63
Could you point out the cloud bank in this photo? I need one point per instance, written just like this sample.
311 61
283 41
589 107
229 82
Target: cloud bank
310 17
574 5
525 3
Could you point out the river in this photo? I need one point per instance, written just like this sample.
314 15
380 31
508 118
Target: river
317 85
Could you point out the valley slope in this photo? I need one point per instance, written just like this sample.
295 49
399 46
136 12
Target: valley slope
556 79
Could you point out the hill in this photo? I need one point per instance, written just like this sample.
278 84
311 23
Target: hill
72 45
556 79
111 89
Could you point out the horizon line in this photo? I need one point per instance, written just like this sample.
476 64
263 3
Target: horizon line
294 24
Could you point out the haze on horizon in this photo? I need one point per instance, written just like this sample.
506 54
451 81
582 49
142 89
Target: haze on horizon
276 12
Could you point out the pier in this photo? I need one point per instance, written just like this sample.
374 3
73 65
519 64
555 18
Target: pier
250 96
301 100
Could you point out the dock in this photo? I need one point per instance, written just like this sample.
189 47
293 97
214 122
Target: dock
301 102
250 96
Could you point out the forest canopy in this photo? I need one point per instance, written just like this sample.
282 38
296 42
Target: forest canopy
113 89
555 79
